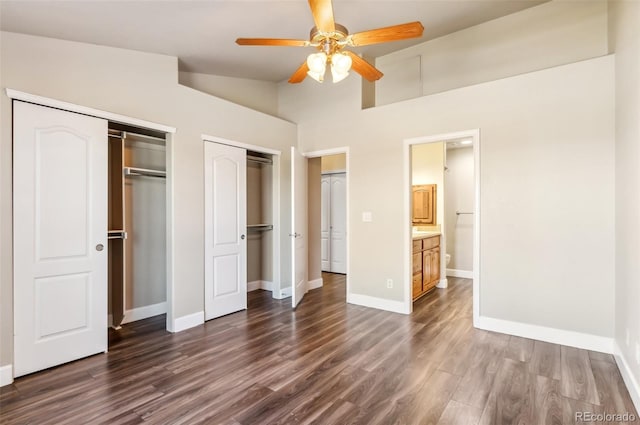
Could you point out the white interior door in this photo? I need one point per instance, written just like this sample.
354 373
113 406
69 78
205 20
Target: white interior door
338 226
325 223
60 236
225 209
298 226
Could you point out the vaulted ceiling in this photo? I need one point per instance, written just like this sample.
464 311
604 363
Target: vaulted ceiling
202 33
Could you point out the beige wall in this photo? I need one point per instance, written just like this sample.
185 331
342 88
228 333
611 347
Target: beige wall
539 222
144 86
259 95
337 162
625 41
314 196
427 167
551 34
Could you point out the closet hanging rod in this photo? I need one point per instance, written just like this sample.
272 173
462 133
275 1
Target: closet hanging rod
260 227
259 159
133 171
123 135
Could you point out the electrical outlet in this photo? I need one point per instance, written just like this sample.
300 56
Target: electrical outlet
627 337
389 283
638 353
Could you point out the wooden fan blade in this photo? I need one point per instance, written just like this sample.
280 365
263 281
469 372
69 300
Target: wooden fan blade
363 67
392 33
322 11
300 74
271 42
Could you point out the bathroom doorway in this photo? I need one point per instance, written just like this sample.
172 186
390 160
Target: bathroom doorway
442 214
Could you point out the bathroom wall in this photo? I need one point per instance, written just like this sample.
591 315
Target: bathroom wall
427 167
459 196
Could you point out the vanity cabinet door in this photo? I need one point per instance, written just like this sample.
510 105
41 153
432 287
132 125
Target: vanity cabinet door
417 275
424 204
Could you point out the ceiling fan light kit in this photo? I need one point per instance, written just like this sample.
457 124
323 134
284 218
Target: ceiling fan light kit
330 38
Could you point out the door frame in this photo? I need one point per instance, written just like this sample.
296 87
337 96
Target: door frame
169 160
277 290
407 224
334 151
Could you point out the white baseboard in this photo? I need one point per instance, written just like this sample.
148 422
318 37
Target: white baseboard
557 336
314 284
460 273
188 321
259 284
627 375
284 293
442 284
379 303
6 375
145 312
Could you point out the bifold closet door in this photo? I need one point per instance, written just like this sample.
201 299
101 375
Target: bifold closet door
225 209
60 236
334 223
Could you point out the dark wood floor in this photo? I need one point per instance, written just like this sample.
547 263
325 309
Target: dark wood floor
326 363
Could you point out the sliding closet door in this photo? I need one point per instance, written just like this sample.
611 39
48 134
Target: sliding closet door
225 209
60 236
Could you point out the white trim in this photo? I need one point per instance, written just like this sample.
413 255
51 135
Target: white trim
170 231
144 312
188 321
542 333
627 375
259 284
6 375
72 107
314 284
408 269
255 148
379 303
345 151
467 274
282 293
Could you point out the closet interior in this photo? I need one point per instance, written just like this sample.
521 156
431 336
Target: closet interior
137 224
259 221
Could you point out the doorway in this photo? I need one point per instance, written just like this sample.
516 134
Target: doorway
428 221
328 211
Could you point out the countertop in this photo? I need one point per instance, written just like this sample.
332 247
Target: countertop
423 235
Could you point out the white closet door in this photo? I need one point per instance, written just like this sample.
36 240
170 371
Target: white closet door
60 236
298 226
338 202
225 209
325 223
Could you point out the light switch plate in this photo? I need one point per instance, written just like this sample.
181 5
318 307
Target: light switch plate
367 216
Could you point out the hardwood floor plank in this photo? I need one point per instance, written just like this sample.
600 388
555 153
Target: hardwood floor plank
327 362
511 398
519 349
457 413
612 393
545 360
577 380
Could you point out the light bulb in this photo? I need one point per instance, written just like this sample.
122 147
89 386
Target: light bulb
340 66
317 63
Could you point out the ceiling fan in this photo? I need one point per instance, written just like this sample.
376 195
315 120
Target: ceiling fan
330 38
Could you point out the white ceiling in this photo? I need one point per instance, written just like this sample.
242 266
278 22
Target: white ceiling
202 33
